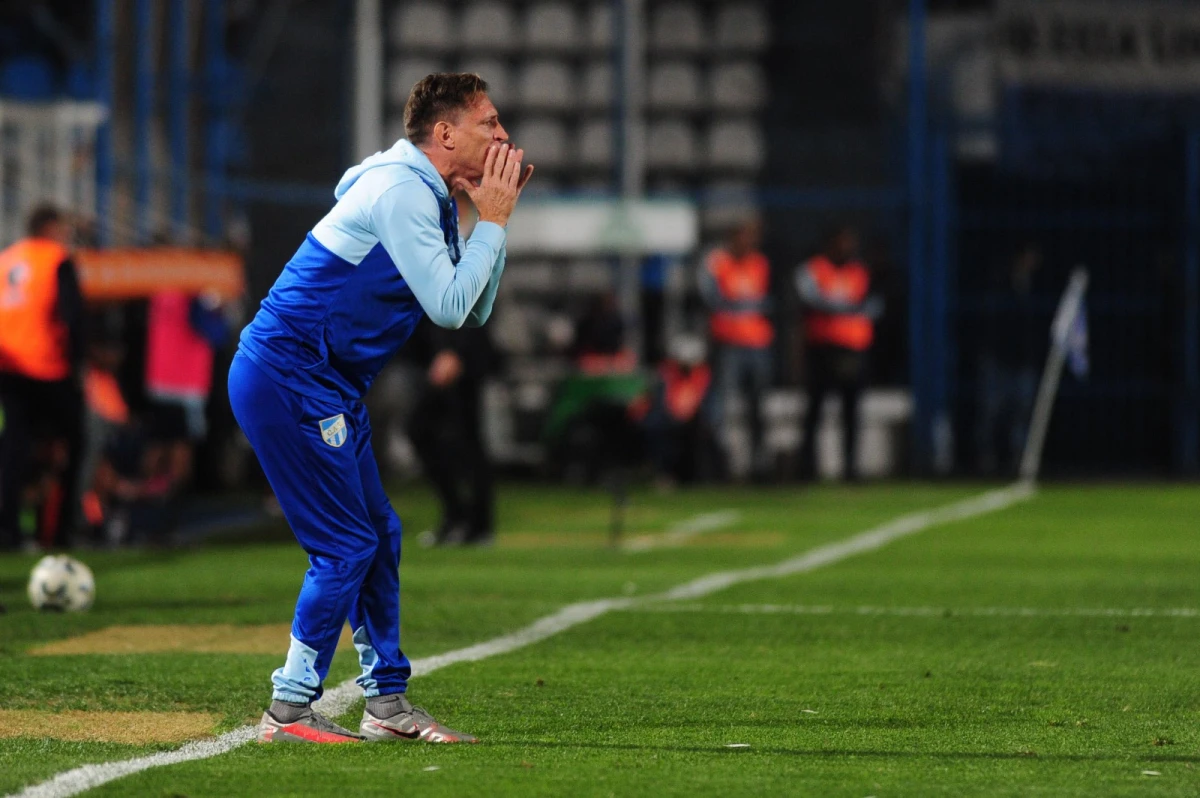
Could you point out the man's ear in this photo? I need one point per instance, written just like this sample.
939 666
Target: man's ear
443 133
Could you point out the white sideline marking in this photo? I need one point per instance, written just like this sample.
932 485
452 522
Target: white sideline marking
921 612
872 539
338 699
681 533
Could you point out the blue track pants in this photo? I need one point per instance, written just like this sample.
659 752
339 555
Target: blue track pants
324 475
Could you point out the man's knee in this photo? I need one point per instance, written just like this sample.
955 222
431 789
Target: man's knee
389 529
356 557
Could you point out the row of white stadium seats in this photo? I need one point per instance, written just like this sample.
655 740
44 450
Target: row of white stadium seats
674 26
675 144
738 85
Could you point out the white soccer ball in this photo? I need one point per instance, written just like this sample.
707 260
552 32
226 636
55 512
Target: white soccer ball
59 582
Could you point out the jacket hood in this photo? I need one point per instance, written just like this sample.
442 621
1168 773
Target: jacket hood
401 153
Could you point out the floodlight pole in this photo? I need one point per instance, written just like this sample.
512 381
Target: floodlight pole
143 112
368 79
106 38
178 112
917 288
1187 454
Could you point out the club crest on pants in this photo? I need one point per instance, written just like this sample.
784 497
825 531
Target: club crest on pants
333 430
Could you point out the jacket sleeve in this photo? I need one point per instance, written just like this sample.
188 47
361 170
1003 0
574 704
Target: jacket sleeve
813 299
483 308
406 221
71 312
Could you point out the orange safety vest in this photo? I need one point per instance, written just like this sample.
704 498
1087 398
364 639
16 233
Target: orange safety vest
33 340
103 395
850 283
747 279
684 392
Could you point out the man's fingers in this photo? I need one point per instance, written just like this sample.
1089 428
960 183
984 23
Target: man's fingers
528 173
514 178
503 153
465 186
489 161
510 164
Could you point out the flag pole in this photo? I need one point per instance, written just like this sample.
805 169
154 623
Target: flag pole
1069 308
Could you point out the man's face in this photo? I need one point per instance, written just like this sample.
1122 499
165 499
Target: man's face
477 129
58 231
747 237
845 246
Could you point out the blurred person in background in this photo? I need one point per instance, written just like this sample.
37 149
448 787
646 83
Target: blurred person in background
598 344
735 284
41 353
182 333
446 429
1011 350
106 413
840 309
655 274
446 426
673 414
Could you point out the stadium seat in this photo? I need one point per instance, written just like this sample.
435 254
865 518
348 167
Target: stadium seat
677 27
671 144
594 186
599 31
589 276
544 141
675 85
546 84
551 26
406 72
423 25
742 27
598 85
738 86
533 276
512 329
596 143
498 78
736 144
489 25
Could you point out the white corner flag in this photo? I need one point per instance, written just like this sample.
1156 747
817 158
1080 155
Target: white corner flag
1077 343
1068 344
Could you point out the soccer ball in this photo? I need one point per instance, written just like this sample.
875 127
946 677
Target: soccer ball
59 582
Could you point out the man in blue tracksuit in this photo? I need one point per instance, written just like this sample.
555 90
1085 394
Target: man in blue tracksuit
386 255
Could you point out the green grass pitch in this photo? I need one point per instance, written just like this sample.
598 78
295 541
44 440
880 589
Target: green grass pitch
979 657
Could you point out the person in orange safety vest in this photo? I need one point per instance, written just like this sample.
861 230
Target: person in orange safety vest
41 329
736 284
839 327
672 414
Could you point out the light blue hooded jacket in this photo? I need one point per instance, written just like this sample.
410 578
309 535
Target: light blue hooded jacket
385 255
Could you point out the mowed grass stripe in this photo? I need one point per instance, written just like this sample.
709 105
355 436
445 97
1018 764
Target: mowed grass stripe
340 698
174 638
131 728
922 612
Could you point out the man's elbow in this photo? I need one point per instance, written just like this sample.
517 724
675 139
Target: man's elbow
448 321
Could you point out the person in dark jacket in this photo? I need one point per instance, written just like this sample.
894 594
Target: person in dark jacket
446 428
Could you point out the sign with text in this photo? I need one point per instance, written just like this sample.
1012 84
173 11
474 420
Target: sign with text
119 274
1137 45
